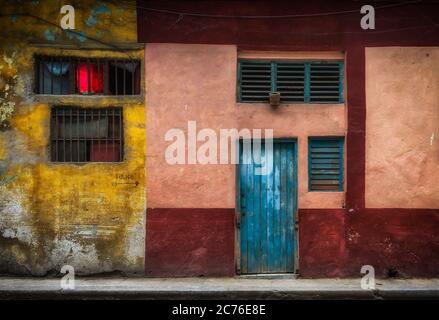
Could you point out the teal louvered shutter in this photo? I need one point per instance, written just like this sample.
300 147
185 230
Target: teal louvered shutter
325 82
298 82
325 168
254 82
290 81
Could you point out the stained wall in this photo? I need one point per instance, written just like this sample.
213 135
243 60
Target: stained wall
90 216
402 146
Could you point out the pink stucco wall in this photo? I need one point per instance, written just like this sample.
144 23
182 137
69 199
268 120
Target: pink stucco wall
198 82
402 145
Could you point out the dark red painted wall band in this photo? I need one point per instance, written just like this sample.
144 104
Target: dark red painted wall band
333 243
408 24
190 242
356 133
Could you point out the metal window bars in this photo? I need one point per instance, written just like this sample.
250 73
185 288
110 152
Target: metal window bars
80 135
86 76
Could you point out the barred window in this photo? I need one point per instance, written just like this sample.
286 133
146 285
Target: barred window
86 76
86 134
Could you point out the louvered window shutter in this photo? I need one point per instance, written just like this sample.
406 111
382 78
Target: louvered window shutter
254 81
290 82
297 82
325 164
325 83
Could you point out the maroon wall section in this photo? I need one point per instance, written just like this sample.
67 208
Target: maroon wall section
406 240
356 134
397 23
190 242
322 249
332 243
335 243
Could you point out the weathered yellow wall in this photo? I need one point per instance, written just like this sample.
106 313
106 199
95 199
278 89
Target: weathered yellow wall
402 146
96 19
52 214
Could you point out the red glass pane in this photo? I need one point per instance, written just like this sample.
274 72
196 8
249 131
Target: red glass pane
96 78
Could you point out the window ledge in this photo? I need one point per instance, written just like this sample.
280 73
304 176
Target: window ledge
88 99
325 192
292 105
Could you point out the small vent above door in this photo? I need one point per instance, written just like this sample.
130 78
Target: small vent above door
326 164
255 81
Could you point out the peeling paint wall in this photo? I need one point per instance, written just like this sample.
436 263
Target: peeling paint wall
96 19
52 214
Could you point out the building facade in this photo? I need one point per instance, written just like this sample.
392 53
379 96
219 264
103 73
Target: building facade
355 149
130 144
73 153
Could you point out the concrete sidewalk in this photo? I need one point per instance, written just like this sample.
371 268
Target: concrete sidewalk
215 288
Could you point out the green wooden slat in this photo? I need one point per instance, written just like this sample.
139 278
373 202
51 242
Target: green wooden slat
324 99
324 149
324 81
326 182
324 171
325 188
249 81
289 78
256 76
273 77
341 79
307 82
325 155
290 87
325 161
325 176
239 82
328 166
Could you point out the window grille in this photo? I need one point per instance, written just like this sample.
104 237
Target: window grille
86 134
87 76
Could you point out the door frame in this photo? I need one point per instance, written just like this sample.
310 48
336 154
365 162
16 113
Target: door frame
295 142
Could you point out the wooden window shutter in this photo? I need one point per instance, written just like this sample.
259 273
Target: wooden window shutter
254 81
325 164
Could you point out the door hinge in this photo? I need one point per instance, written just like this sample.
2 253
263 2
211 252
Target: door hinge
238 220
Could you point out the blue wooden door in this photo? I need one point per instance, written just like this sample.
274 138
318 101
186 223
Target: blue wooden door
267 205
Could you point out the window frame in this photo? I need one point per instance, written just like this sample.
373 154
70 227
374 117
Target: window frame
103 66
341 142
307 78
54 139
